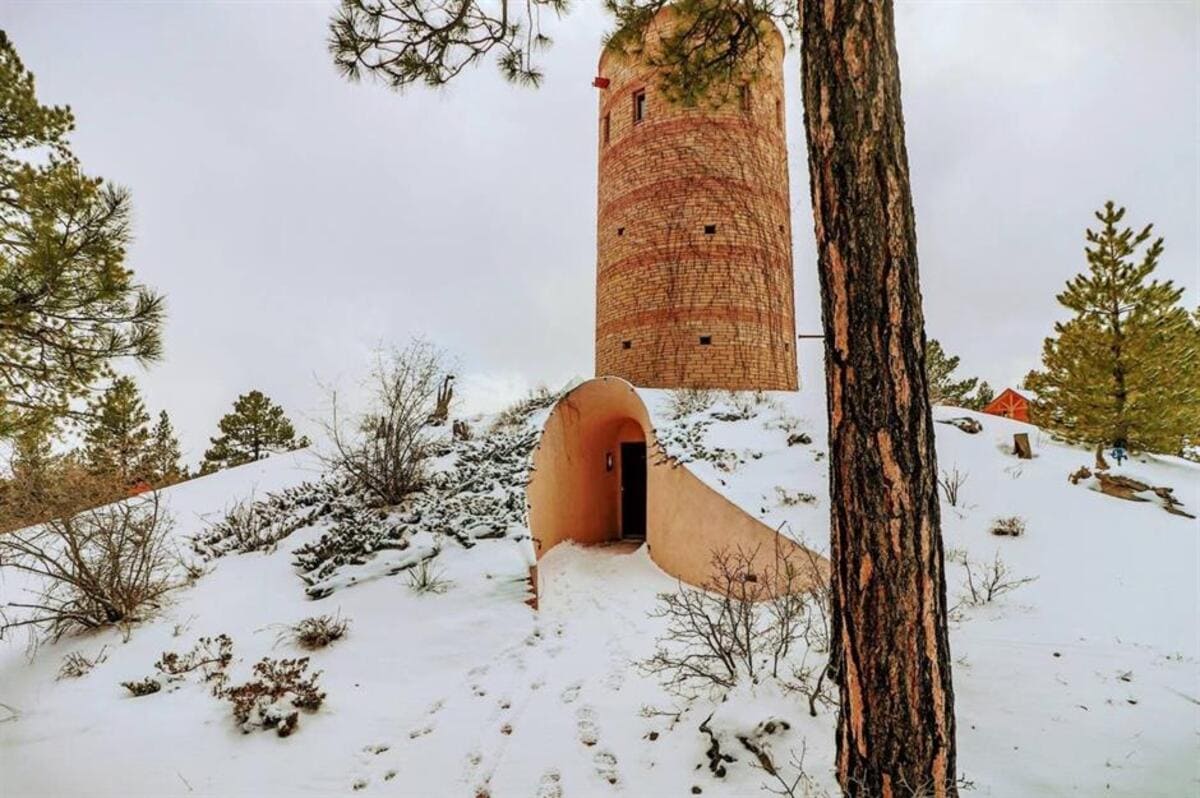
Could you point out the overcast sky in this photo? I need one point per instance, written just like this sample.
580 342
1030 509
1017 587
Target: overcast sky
295 220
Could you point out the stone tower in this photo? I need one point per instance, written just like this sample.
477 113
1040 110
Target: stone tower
694 266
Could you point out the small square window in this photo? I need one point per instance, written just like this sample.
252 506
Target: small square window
627 344
607 127
705 340
639 106
710 229
620 231
744 98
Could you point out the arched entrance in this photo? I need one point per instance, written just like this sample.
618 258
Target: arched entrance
599 475
590 469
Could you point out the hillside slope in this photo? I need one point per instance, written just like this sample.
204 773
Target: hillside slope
1082 682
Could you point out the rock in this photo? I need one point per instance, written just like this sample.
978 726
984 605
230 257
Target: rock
1083 473
967 425
800 438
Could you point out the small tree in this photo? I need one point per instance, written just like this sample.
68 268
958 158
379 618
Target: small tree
256 427
1124 369
162 461
383 449
982 398
118 435
939 372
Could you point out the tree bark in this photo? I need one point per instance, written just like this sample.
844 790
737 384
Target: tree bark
891 653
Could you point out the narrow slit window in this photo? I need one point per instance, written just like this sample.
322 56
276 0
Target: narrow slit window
627 344
607 127
710 229
705 340
744 98
620 231
779 114
639 106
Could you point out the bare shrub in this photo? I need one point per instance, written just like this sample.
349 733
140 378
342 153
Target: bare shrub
105 566
274 698
743 623
792 498
209 658
951 483
988 581
1009 526
316 632
143 687
425 578
686 401
75 665
383 450
42 486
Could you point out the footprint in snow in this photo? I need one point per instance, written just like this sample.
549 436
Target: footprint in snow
421 731
550 785
377 749
436 707
585 726
606 766
571 693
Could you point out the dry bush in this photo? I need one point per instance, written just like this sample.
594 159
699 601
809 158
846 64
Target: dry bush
105 566
248 526
686 401
383 450
951 483
516 414
316 632
424 578
209 658
743 623
1009 526
792 498
75 665
57 487
143 687
274 698
988 581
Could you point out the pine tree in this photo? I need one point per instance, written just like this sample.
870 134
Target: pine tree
68 305
1123 369
256 427
161 464
982 398
118 435
939 374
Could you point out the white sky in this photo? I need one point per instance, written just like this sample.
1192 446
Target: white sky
294 220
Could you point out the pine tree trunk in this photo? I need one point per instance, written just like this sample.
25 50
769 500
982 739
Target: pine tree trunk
891 652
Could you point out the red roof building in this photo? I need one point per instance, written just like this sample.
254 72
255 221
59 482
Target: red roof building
1009 404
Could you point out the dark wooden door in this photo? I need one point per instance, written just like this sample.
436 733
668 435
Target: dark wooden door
633 490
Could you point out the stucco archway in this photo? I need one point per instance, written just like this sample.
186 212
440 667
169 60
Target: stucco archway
574 494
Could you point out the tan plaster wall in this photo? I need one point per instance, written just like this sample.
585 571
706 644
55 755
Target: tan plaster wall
572 497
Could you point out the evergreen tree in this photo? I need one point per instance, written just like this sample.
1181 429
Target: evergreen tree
1123 369
161 464
68 305
118 436
256 427
982 398
939 375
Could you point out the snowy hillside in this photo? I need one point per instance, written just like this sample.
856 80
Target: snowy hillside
1082 682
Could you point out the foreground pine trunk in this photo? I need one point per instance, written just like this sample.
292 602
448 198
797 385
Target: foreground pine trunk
890 648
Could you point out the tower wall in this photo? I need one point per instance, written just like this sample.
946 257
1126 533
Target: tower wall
694 266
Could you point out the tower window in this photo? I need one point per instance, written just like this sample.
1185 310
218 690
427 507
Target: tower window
710 229
744 98
705 340
779 114
607 127
639 106
627 344
620 231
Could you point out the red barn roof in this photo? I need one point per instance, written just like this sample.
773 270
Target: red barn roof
1009 404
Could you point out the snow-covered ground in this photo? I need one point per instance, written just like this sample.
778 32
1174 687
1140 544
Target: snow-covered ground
1083 682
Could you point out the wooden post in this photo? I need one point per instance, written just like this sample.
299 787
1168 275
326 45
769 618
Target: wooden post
1021 447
